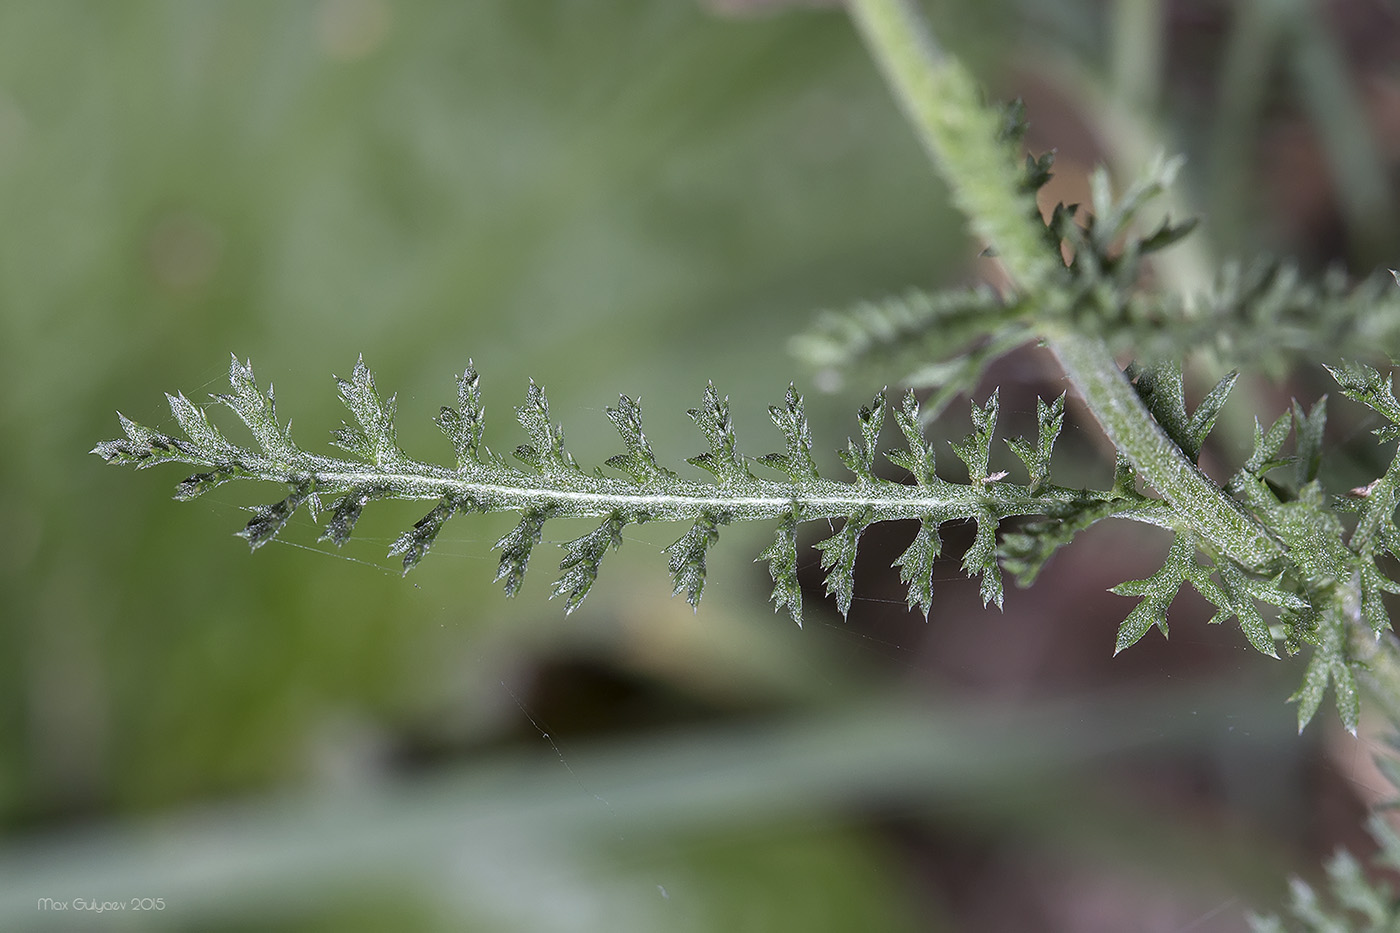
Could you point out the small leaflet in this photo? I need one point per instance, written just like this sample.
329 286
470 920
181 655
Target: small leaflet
687 555
516 547
981 558
839 559
197 484
582 557
1050 418
797 463
414 543
1329 662
1157 592
975 449
638 462
1203 419
919 459
916 565
194 421
714 422
257 411
546 454
782 566
267 520
465 424
1364 384
859 456
1242 592
345 512
373 437
1308 429
1267 445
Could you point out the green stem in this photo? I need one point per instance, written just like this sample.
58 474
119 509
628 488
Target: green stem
499 488
962 136
1212 514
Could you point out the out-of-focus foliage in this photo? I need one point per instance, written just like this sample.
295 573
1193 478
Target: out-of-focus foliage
1354 898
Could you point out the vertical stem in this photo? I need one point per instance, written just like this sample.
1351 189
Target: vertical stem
1212 514
962 135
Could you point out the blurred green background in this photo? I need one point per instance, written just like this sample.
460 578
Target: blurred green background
608 197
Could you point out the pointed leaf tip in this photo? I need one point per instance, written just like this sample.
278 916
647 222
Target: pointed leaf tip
782 567
517 546
582 558
839 559
916 565
687 556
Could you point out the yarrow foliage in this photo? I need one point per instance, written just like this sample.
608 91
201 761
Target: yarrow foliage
1269 549
555 486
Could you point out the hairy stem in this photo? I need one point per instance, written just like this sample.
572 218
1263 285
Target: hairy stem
584 495
960 134
1216 517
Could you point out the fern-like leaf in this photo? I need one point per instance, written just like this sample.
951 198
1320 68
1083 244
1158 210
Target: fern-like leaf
944 340
555 486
